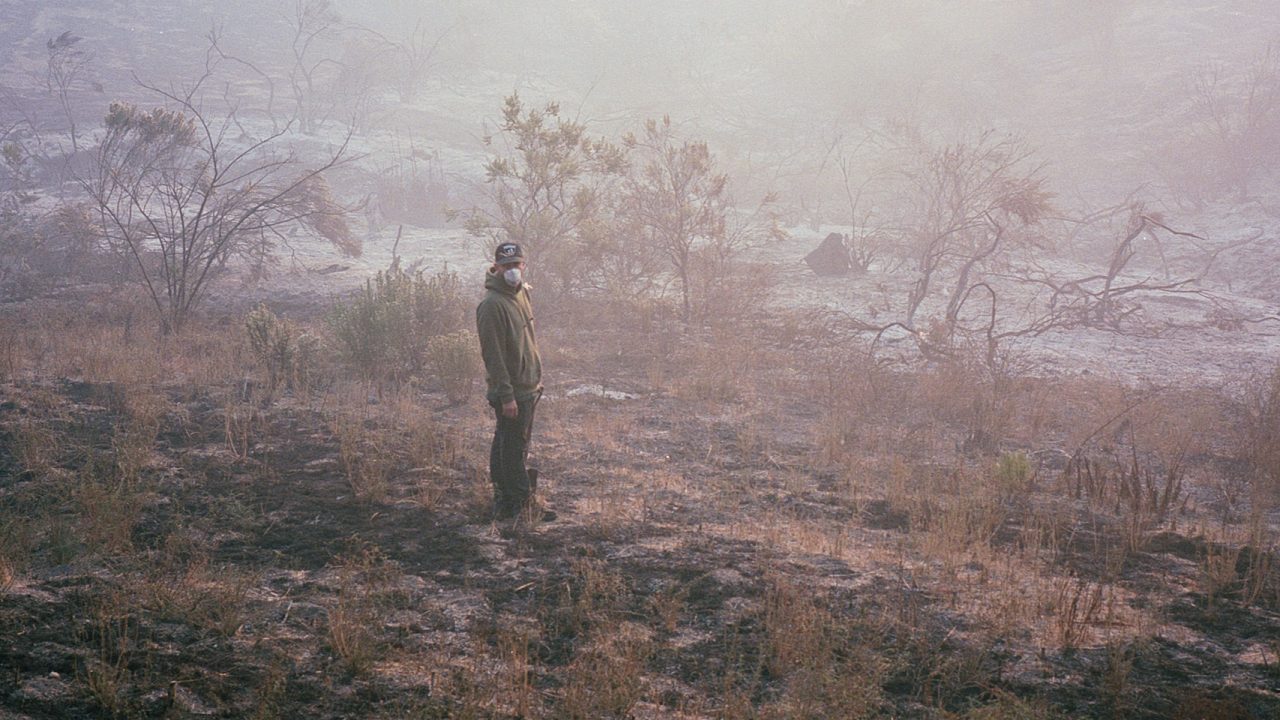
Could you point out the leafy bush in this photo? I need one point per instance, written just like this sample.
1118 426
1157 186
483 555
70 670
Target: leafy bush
1013 474
1259 439
548 187
286 354
42 250
454 360
383 332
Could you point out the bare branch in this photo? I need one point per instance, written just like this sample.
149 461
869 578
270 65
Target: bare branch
176 197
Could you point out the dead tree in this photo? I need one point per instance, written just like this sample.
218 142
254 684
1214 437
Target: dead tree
175 195
678 198
963 198
417 53
214 37
313 23
364 64
65 68
1240 118
866 240
1103 301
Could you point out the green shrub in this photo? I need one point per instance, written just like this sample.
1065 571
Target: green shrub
455 361
285 353
383 332
1013 474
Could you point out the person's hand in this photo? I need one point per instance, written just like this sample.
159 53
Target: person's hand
510 410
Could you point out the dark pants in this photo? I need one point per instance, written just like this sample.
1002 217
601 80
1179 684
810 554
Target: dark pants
511 486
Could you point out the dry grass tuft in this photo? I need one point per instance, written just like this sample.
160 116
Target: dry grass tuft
108 511
1078 606
606 677
364 456
243 425
826 669
366 577
134 439
271 692
35 447
351 630
115 639
515 678
1258 438
8 572
719 369
1008 706
183 586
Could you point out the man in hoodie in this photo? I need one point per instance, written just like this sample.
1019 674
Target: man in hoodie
513 372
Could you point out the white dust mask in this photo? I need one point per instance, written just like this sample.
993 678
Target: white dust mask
513 277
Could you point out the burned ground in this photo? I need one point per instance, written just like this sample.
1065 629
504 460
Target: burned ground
176 549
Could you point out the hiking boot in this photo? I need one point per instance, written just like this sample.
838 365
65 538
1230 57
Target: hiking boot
505 509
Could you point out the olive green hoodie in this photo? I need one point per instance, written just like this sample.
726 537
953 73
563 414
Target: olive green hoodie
504 322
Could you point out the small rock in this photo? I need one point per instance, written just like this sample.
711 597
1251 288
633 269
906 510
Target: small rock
736 609
600 391
43 690
727 576
185 700
491 552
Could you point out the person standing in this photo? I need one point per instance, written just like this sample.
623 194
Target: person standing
513 374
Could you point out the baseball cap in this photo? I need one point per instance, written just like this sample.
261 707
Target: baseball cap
508 254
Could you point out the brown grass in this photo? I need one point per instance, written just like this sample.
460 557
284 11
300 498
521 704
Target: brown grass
363 455
242 425
109 511
827 670
183 585
8 571
922 490
365 579
606 677
35 446
115 640
134 439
